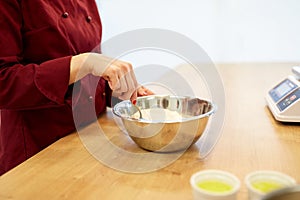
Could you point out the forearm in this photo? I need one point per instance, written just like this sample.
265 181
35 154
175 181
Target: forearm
34 86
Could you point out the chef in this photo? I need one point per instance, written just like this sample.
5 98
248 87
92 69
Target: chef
46 48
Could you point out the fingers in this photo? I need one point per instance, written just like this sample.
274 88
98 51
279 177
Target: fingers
119 74
142 91
122 80
133 97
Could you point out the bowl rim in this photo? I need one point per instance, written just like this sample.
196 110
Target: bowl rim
207 114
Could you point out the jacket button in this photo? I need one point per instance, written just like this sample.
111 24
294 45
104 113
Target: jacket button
91 98
65 15
89 19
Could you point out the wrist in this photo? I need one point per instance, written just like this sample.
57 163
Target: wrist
78 68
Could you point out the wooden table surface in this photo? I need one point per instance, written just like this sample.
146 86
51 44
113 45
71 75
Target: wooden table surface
251 140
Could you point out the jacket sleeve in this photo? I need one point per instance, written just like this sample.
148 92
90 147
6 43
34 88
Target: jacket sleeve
27 86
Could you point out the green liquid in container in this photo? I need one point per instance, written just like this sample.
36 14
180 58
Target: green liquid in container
214 186
266 186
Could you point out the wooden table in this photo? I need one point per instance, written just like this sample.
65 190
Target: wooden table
251 140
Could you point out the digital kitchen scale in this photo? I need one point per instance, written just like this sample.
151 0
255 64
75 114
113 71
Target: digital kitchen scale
284 99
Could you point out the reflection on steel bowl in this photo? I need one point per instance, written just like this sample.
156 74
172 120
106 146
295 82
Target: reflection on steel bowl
290 193
165 123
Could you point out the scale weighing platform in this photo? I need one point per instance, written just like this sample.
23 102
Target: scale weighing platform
284 99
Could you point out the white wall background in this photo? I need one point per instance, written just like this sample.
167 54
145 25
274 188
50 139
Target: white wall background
228 30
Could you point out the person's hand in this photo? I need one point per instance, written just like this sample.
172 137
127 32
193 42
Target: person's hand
119 74
121 79
143 91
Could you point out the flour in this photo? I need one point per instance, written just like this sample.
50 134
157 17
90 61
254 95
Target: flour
158 114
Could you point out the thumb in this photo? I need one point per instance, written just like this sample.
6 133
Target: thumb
133 97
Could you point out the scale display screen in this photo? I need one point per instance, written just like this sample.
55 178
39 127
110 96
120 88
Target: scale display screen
287 101
283 99
282 89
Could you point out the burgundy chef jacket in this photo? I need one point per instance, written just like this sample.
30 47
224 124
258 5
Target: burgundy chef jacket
37 40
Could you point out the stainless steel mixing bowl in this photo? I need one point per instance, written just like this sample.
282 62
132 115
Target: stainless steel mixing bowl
157 131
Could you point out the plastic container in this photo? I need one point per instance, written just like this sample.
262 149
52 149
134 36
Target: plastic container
261 183
214 185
